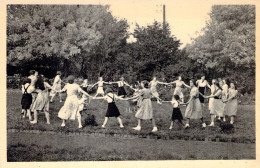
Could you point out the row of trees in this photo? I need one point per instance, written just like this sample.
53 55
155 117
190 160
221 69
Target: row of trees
87 41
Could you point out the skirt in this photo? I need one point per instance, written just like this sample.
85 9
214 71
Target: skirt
194 109
145 111
26 101
231 107
70 109
217 108
202 91
112 110
121 91
210 102
56 87
100 90
154 92
41 102
178 91
176 114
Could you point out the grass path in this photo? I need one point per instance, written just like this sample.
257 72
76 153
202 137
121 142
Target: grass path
40 147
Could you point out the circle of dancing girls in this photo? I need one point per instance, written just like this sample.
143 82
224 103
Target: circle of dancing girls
70 109
41 102
145 112
178 89
112 110
194 109
56 86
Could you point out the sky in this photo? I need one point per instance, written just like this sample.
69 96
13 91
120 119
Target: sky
185 19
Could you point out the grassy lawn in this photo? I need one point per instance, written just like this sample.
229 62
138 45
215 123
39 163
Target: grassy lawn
40 147
244 125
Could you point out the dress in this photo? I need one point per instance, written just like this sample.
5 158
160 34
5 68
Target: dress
194 109
70 109
217 104
145 112
26 98
231 107
176 113
212 89
153 88
100 89
121 89
202 87
42 100
178 89
112 110
56 85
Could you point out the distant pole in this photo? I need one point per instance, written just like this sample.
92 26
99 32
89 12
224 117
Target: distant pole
164 17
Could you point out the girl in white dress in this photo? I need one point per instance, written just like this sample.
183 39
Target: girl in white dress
100 90
225 95
194 109
70 109
153 85
57 86
212 90
41 102
217 108
178 89
33 76
231 106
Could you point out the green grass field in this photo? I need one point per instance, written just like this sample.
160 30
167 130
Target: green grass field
105 148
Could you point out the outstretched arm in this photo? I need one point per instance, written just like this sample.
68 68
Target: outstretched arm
162 83
172 82
185 85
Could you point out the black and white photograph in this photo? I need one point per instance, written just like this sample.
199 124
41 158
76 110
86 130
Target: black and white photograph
130 81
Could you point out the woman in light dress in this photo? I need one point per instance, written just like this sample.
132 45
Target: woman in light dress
100 90
153 84
57 86
41 102
225 95
212 90
217 108
145 111
70 109
231 106
194 109
178 89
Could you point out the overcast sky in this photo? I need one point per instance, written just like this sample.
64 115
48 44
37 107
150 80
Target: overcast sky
184 19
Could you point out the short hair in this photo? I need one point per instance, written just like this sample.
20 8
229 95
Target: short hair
71 79
145 83
194 82
32 72
26 80
58 72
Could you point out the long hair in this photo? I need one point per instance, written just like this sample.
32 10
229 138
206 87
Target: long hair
40 83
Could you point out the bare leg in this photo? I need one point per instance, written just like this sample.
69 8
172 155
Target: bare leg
154 126
63 123
47 115
171 125
232 120
23 112
212 121
35 117
187 123
138 127
120 122
105 122
60 97
79 120
29 114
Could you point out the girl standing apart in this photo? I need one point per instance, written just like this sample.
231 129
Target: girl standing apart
100 90
178 89
70 109
202 83
217 108
194 109
112 110
176 113
27 97
41 102
153 85
56 86
145 112
231 106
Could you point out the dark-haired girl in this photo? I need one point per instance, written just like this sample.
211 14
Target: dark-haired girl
70 109
202 83
145 112
41 102
194 109
217 108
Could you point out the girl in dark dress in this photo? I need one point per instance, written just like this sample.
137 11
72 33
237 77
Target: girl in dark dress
27 97
112 110
176 113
